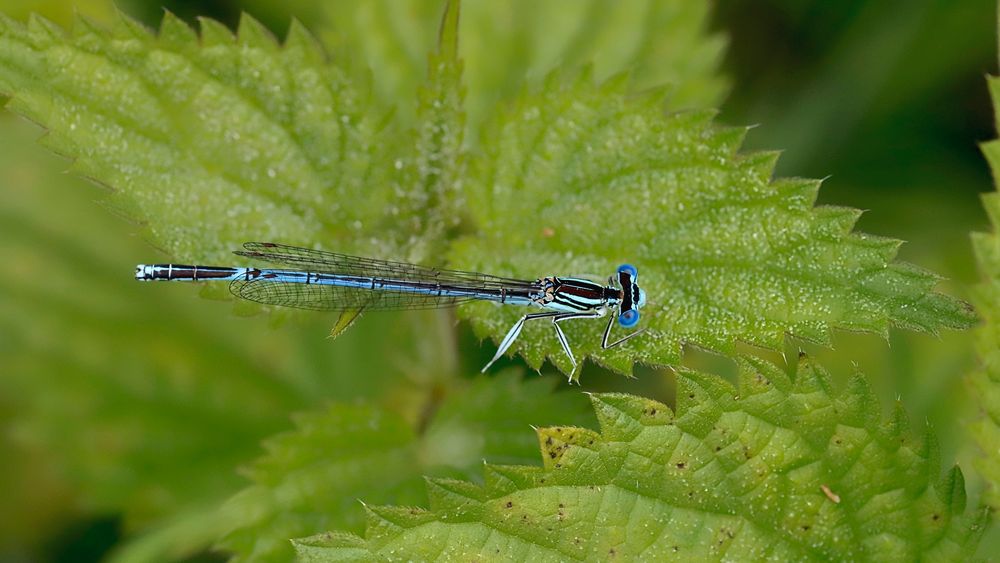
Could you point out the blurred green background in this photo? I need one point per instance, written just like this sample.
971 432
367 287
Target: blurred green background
886 97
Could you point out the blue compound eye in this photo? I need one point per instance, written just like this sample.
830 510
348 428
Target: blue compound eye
629 318
628 269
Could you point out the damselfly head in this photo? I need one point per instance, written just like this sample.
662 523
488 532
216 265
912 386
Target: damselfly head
628 269
633 297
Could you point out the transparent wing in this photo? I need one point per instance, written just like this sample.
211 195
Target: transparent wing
332 262
336 298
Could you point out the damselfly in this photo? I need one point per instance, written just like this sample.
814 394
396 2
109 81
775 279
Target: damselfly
337 282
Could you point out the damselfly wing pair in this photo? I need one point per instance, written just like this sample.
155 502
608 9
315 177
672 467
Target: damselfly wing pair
327 281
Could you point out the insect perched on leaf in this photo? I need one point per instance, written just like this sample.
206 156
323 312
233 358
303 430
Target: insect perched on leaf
328 281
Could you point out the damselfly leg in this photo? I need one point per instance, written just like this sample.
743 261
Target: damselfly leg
562 337
607 334
557 318
513 333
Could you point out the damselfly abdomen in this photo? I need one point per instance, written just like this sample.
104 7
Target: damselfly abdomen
329 281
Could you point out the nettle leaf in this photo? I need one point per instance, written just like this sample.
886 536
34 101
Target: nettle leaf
221 139
431 178
576 179
60 12
311 479
212 140
776 469
986 381
145 405
104 410
506 45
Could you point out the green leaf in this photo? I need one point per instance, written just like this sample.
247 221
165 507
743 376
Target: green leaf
577 178
104 410
142 400
210 142
507 45
311 479
279 144
775 469
60 12
431 179
185 533
985 382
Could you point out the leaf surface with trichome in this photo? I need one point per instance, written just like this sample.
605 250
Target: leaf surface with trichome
986 380
774 469
145 399
507 45
210 141
311 479
576 178
224 139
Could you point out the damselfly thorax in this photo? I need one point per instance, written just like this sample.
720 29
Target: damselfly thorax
329 281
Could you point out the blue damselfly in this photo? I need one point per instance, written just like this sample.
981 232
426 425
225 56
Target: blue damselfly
328 281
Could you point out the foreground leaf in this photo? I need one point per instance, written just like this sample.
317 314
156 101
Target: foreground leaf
986 381
577 178
311 479
776 469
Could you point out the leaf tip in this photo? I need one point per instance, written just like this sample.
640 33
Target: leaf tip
448 30
251 32
213 32
858 401
45 29
301 39
176 32
127 27
951 490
